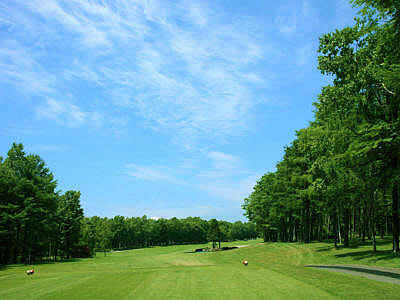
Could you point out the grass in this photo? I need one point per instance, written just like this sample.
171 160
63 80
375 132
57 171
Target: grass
275 271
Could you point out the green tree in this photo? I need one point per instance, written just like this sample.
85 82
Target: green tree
70 215
214 233
30 204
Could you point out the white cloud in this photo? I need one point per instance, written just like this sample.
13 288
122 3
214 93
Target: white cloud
19 68
45 148
151 173
84 72
227 179
287 18
73 20
231 190
183 77
183 67
286 24
224 178
197 14
223 161
67 113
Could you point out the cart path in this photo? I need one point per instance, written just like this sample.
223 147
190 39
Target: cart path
390 275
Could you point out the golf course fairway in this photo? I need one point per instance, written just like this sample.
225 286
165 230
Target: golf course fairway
275 271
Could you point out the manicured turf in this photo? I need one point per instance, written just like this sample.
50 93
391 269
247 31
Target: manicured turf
275 271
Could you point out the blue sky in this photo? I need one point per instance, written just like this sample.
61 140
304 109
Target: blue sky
163 108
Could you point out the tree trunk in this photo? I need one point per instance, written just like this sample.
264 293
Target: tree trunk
346 227
395 211
307 222
55 252
386 225
359 222
16 244
294 231
335 229
364 224
374 238
373 222
265 234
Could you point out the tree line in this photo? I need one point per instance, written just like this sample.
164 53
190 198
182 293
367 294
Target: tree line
340 176
39 222
140 232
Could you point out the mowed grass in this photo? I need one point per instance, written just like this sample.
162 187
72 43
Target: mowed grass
275 271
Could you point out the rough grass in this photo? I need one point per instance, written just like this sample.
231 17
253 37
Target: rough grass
275 271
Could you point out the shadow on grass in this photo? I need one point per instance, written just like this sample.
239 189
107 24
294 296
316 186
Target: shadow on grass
207 250
354 244
38 263
377 256
6 267
324 249
360 270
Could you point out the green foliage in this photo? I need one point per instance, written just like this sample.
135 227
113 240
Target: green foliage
28 204
69 217
336 176
34 221
214 233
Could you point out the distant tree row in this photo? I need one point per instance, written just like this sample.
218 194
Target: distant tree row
139 232
340 176
36 221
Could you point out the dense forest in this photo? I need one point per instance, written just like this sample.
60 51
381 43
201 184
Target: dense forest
339 178
38 222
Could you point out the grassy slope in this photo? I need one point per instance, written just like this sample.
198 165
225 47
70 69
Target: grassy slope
275 271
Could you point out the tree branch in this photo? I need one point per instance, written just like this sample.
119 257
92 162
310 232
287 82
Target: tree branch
387 90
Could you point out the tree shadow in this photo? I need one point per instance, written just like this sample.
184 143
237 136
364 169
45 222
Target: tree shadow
38 263
359 269
9 267
377 256
325 249
354 244
5 267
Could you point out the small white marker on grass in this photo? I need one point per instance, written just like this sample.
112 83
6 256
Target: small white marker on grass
30 272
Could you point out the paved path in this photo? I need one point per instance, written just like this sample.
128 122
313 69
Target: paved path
375 273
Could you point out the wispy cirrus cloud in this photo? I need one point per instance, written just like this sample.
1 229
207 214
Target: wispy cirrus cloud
67 113
45 148
151 173
225 178
19 69
234 190
184 66
223 161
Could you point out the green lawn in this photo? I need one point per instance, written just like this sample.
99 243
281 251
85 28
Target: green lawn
275 270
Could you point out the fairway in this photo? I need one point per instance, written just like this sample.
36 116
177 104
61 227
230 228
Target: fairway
275 271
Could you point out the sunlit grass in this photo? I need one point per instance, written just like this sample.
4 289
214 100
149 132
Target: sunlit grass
275 271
